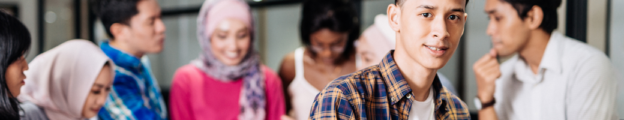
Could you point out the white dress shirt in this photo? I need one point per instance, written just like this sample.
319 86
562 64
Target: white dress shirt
574 81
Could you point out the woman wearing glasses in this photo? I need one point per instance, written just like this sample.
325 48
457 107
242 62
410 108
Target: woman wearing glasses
328 30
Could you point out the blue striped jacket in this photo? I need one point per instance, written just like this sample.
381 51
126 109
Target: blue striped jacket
135 94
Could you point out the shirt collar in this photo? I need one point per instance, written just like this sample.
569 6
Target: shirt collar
120 58
551 60
397 85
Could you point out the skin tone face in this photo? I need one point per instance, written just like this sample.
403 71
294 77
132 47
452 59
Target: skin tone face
230 41
15 75
430 30
146 32
328 45
99 91
508 31
369 55
366 56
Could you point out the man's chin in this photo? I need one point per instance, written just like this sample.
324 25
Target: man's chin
434 64
156 50
505 53
434 67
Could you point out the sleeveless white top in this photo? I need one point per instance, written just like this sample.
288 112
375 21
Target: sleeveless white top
301 92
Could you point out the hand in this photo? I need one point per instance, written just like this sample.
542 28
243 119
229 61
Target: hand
285 117
487 70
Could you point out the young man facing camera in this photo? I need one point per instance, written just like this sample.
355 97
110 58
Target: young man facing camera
135 29
553 77
404 85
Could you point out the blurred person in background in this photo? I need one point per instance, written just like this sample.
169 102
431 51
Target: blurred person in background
552 77
228 80
328 30
14 44
404 85
135 29
68 82
376 41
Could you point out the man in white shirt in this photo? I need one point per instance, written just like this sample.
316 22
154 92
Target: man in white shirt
552 77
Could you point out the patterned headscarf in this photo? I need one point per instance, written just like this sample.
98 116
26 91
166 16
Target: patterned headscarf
252 98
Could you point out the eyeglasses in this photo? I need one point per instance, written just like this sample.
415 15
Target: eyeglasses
333 48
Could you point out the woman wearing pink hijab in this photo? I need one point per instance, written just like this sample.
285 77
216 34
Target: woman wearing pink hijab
227 81
68 82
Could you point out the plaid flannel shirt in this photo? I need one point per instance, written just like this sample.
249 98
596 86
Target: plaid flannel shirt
380 92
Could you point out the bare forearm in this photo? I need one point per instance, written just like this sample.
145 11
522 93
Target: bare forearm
487 70
487 114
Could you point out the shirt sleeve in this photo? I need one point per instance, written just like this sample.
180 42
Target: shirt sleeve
592 93
331 104
179 101
125 101
31 112
275 97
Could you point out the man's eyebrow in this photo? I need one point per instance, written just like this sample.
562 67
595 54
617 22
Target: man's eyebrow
458 10
490 11
426 7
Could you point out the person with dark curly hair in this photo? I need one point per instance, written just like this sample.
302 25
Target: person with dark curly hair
328 30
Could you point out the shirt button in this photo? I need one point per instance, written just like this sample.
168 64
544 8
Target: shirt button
393 99
409 96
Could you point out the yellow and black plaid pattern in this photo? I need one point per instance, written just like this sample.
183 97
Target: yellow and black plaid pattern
380 93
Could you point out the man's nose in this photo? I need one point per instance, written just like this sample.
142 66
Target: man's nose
439 28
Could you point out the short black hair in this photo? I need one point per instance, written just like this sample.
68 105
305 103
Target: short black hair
335 15
114 11
400 2
14 43
549 8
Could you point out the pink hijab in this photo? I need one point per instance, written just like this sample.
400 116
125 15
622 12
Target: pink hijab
60 79
379 40
380 34
252 97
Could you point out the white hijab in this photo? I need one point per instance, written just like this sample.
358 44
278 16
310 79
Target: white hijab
60 79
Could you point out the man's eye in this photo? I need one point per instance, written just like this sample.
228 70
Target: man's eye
96 92
453 17
426 14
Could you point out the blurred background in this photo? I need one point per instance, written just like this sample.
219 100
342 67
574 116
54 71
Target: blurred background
600 23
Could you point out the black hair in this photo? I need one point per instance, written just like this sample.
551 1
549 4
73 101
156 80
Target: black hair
14 43
400 2
549 8
335 15
114 11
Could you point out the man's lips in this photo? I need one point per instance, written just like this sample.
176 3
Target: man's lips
436 51
436 48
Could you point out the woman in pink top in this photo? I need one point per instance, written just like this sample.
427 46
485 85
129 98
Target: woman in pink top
227 81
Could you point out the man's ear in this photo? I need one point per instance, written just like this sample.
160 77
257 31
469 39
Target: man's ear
535 16
118 30
394 13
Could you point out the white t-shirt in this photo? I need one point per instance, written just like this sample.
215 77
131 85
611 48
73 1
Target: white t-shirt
574 82
422 110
